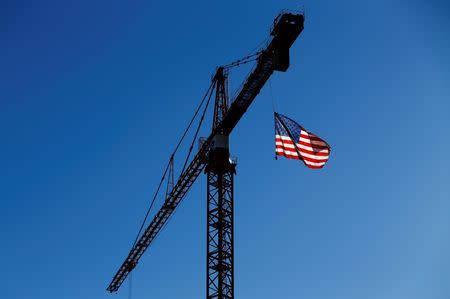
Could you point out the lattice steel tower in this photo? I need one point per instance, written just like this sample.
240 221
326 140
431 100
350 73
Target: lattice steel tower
220 171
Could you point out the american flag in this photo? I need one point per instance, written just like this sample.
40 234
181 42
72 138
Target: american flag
294 142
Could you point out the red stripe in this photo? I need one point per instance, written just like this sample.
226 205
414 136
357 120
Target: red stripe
306 143
303 143
319 154
312 137
315 146
284 141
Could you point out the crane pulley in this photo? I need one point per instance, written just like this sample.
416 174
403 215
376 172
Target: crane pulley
213 157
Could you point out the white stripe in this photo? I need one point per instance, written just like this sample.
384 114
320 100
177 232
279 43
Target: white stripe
283 137
285 144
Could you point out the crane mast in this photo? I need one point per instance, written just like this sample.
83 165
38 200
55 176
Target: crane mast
220 172
214 157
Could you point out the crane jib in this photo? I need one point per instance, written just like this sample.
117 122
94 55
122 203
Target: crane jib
275 57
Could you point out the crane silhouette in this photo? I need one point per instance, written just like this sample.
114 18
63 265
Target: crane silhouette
213 157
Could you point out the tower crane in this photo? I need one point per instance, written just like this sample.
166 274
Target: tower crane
213 157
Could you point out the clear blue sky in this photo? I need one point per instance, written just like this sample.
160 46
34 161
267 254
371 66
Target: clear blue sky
94 95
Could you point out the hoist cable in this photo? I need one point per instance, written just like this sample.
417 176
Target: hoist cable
273 109
271 94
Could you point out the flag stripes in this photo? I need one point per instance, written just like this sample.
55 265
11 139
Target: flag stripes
309 148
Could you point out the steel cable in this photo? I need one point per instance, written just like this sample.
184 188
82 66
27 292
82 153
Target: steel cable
208 92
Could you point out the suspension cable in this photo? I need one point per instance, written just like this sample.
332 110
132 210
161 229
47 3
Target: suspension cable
198 129
208 92
151 204
245 60
195 115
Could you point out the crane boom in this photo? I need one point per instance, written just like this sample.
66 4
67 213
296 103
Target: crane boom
287 27
173 199
275 57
